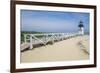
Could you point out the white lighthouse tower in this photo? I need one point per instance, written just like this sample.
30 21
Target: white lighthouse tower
81 28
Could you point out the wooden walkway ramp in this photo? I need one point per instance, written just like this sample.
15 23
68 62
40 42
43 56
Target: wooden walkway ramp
24 46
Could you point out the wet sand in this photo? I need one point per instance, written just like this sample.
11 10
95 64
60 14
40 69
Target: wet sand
76 48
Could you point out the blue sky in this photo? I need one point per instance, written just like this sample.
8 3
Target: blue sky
53 21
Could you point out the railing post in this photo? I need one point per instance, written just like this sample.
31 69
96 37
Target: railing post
52 40
46 38
62 36
58 37
31 44
25 38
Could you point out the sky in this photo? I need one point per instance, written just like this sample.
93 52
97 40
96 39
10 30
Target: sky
53 21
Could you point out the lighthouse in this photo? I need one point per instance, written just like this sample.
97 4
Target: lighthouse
81 28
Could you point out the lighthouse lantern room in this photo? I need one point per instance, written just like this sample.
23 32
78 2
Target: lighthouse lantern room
81 28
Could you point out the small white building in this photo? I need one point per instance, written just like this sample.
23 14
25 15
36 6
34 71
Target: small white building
81 28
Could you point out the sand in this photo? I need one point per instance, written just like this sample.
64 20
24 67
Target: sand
76 48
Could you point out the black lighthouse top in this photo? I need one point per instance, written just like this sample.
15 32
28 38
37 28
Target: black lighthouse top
80 24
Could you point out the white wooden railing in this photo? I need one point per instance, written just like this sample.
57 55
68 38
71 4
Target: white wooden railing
44 38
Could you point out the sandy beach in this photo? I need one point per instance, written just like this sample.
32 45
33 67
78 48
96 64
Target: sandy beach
76 48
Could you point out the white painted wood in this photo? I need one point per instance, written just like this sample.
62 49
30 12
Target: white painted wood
25 38
31 43
47 37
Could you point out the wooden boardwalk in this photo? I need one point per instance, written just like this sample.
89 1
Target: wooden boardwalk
24 46
34 39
